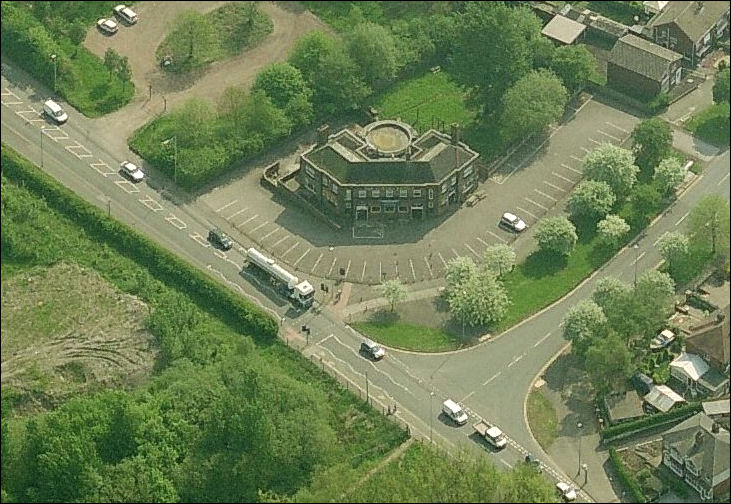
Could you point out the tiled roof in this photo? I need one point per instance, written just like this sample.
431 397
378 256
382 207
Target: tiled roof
563 29
643 57
695 440
711 338
694 22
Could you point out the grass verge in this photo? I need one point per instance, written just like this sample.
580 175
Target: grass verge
542 419
408 336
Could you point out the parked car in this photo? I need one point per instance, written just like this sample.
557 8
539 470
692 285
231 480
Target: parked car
534 462
54 111
566 491
220 239
126 13
455 412
108 26
131 171
662 340
513 222
372 349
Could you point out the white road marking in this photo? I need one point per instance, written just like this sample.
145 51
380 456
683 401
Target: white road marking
258 227
554 186
220 254
610 136
413 274
101 164
541 340
395 263
722 180
580 160
247 221
331 266
491 378
557 175
617 127
545 195
151 203
526 211
85 153
455 253
585 149
516 359
362 273
504 462
317 262
380 271
496 236
428 266
270 233
682 218
280 241
323 340
594 141
237 213
290 249
442 259
48 130
638 258
172 219
127 186
468 248
536 204
347 270
572 169
224 207
301 257
482 241
202 241
467 396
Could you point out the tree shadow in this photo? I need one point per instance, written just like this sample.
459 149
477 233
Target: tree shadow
543 263
384 316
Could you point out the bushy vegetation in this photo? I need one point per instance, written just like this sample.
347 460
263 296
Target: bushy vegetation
33 31
712 124
626 478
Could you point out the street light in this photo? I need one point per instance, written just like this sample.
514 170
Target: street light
53 58
41 147
174 139
431 417
637 251
579 425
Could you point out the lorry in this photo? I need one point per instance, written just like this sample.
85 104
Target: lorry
300 292
491 433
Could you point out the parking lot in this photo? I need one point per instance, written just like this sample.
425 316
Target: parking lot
531 182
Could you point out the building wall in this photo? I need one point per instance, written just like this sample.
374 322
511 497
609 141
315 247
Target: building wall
671 36
630 82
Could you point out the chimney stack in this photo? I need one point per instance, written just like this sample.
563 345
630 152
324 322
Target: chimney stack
323 132
715 428
455 133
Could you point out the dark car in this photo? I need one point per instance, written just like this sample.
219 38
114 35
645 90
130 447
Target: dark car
534 462
372 349
220 239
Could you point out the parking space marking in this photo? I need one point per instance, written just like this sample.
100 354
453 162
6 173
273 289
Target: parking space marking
224 207
259 227
482 241
102 164
585 149
497 236
280 241
347 270
580 160
534 203
301 257
472 250
332 266
317 262
572 169
455 253
362 273
380 271
290 249
526 211
554 186
247 220
395 264
53 129
722 180
237 213
34 115
222 255
85 153
7 92
609 136
413 273
172 219
428 266
151 203
127 186
202 241
442 259
270 233
545 195
594 141
615 126
566 179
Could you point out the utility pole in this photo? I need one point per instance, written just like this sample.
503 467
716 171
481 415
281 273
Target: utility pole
431 416
53 58
637 258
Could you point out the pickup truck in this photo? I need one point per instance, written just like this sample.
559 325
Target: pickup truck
491 433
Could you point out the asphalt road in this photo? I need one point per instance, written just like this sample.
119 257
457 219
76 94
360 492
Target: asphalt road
491 380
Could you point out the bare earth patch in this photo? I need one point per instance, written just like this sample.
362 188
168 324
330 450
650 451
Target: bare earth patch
66 330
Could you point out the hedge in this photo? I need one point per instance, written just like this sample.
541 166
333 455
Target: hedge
615 431
236 311
626 479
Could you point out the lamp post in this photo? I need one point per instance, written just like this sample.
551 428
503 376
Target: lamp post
586 472
41 147
579 425
53 58
637 258
431 417
174 139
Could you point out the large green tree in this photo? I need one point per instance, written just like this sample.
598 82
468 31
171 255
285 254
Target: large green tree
574 64
591 199
613 165
651 143
394 291
556 235
373 49
721 86
282 82
708 225
668 175
612 229
583 324
499 258
673 247
481 300
609 363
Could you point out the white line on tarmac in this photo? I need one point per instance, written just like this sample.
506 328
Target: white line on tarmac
290 249
317 262
558 175
284 238
504 462
332 266
617 127
428 266
572 169
455 253
396 266
541 340
496 236
722 180
413 274
247 220
467 396
580 160
594 141
536 204
347 270
526 211
270 233
515 360
492 378
224 207
585 149
323 340
237 213
442 259
638 258
380 271
482 241
682 218
545 195
259 227
362 273
301 257
554 186
472 250
610 136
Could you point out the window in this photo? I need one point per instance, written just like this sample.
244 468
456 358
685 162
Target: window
454 180
310 184
325 181
361 194
404 193
335 188
431 193
431 204
417 193
403 209
348 204
467 171
444 188
375 208
348 194
389 207
389 193
310 172
376 193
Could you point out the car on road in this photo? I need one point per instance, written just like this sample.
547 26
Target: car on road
55 112
662 340
126 13
107 25
566 491
372 349
220 239
455 412
513 222
131 171
533 462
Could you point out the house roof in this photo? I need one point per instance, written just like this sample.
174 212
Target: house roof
662 398
691 365
563 29
711 338
655 6
643 57
695 440
720 407
690 19
623 406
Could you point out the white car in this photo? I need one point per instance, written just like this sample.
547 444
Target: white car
109 26
662 340
566 491
131 171
126 13
54 111
513 222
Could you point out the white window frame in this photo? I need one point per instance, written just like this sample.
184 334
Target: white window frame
375 193
416 193
335 188
310 171
362 194
389 193
468 171
431 193
348 194
375 208
403 193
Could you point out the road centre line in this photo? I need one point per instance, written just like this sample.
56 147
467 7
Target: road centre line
224 207
492 378
526 211
682 218
515 360
467 396
558 175
542 340
545 195
638 258
536 204
317 262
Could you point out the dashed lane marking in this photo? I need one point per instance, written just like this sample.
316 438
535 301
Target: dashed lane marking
534 203
317 262
224 207
151 203
554 186
722 180
516 359
301 257
682 218
491 378
638 258
496 236
172 219
290 249
542 340
528 212
558 175
545 195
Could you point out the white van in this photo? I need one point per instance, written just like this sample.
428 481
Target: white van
455 412
55 112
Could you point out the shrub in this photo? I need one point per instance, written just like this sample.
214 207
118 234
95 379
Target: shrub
625 478
659 102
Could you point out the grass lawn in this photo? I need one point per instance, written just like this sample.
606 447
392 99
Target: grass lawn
408 336
711 124
542 419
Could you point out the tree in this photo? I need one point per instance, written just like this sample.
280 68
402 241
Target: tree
613 165
721 86
591 199
309 51
282 82
610 294
111 60
673 247
125 71
584 323
668 175
534 102
574 64
480 300
612 229
651 143
645 203
557 235
653 301
499 258
77 34
459 270
373 49
708 225
609 363
193 38
394 291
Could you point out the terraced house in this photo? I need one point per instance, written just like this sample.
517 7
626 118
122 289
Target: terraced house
384 171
